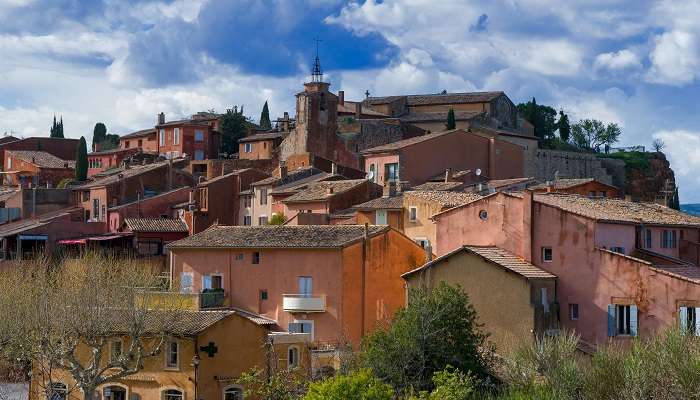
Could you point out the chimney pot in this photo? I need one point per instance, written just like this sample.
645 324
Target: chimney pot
428 252
334 168
329 190
283 169
448 175
389 189
341 97
161 118
358 110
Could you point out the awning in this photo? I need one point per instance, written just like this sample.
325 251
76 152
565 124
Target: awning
72 241
33 237
108 237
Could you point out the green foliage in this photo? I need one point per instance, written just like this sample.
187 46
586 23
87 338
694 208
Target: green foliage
277 219
64 183
265 118
81 161
102 140
592 134
437 329
633 159
99 133
675 201
453 384
451 122
233 125
283 384
57 128
360 385
542 117
564 127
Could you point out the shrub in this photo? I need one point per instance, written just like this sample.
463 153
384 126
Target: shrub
360 385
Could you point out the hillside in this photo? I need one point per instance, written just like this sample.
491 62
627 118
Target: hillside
646 174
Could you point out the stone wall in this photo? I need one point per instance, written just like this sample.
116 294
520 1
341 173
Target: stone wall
578 165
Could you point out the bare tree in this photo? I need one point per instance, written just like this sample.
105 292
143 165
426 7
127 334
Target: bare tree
658 145
61 318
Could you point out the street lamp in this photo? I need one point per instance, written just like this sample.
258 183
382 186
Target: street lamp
195 363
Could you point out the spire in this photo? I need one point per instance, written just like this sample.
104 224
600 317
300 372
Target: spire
316 73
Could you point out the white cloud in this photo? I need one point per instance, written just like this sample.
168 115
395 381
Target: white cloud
624 59
683 151
675 58
186 10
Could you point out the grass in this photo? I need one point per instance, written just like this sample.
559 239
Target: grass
633 159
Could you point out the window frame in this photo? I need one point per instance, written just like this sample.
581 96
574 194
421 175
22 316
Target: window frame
198 138
295 364
165 390
176 136
573 312
112 356
255 258
168 366
302 322
238 388
212 275
247 147
544 254
161 137
413 213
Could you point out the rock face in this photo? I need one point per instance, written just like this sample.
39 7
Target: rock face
650 181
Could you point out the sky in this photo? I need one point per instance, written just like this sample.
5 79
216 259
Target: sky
121 62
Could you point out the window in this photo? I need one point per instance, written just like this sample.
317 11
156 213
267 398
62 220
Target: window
95 209
198 136
688 318
212 282
199 155
483 215
262 193
263 295
647 239
186 282
573 311
161 137
412 213
373 172
140 143
256 257
547 255
9 162
173 394
86 195
544 299
302 327
622 320
262 220
176 136
115 350
247 220
391 172
617 249
148 248
239 256
248 148
380 217
172 354
668 239
602 194
422 242
126 144
292 357
591 194
246 201
305 286
57 391
233 393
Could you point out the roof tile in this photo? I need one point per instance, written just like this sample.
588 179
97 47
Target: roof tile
156 225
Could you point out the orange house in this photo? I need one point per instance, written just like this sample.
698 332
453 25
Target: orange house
195 138
259 146
585 187
146 140
99 161
38 168
335 282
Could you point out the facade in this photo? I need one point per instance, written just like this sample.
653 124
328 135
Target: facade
26 168
515 301
196 138
224 343
158 206
624 269
151 235
385 210
146 140
335 282
327 197
259 146
420 159
584 187
64 149
100 161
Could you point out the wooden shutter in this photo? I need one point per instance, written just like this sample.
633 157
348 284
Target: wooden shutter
683 318
633 320
611 320
697 321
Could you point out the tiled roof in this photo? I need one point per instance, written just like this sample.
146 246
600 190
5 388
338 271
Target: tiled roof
141 133
439 186
7 192
382 203
155 225
258 319
262 136
41 159
277 236
350 107
319 191
293 187
438 116
187 121
448 98
406 142
446 199
114 151
500 183
562 184
291 177
617 210
13 228
688 272
178 323
494 255
117 174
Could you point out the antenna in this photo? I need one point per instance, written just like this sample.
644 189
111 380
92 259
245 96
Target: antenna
316 72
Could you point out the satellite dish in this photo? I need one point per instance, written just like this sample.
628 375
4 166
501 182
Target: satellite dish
478 172
370 175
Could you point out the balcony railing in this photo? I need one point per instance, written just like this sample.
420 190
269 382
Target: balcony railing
303 303
212 300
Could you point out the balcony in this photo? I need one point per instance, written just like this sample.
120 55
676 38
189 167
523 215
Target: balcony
212 299
303 303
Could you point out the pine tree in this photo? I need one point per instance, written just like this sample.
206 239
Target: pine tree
451 122
57 128
564 126
265 118
81 161
99 134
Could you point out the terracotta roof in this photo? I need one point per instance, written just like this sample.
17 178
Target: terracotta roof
42 159
382 203
688 272
186 121
439 186
438 116
407 142
156 225
439 98
114 151
617 210
562 184
177 323
494 255
262 136
320 191
144 132
291 177
256 318
277 236
117 174
500 183
350 107
295 186
13 228
446 199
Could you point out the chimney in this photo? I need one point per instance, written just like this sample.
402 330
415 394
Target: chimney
161 118
527 226
492 159
341 97
448 175
334 168
329 190
428 252
358 110
389 189
285 122
283 169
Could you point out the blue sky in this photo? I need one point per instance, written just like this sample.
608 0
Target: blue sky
121 62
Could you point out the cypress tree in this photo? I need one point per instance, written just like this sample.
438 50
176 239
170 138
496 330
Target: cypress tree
99 134
564 126
81 161
265 118
451 122
57 128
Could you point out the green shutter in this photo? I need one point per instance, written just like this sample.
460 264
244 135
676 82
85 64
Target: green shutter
611 320
633 320
683 319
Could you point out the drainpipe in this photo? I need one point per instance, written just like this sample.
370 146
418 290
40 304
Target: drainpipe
365 242
138 204
34 201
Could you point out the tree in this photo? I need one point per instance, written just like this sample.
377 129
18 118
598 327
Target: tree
563 126
360 385
234 126
437 329
57 128
542 117
452 384
277 219
281 384
675 200
265 123
451 122
81 161
99 133
59 318
591 134
659 145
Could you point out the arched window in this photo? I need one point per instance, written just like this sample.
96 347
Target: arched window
172 394
57 391
292 357
114 393
233 393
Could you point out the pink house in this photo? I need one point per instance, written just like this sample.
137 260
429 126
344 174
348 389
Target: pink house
623 268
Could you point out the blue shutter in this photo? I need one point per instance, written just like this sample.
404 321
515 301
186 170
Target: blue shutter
697 321
683 317
611 320
633 320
